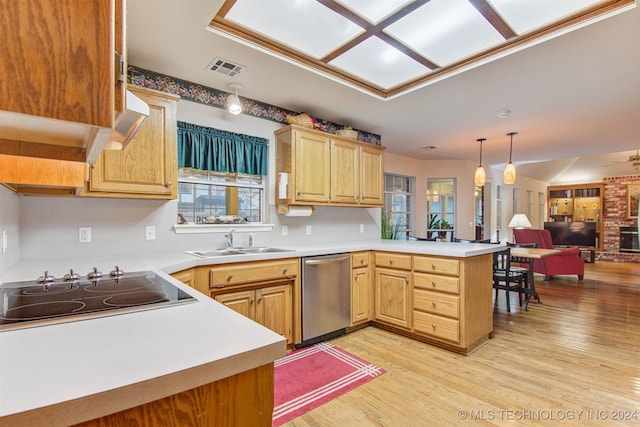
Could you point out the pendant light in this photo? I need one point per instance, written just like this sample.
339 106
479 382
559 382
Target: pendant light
509 175
480 177
233 102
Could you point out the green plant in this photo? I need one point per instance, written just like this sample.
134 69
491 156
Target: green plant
388 228
444 225
433 222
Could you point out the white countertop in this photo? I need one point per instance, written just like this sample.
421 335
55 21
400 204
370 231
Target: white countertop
90 368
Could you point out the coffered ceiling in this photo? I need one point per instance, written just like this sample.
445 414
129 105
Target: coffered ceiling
573 98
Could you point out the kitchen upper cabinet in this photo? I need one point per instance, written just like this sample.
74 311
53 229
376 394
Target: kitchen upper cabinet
312 166
371 176
147 167
345 172
326 170
60 92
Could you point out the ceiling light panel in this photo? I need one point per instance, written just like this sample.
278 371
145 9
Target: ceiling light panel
379 63
446 31
304 24
374 10
524 16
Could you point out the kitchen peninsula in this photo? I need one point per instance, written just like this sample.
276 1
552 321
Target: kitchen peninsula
78 371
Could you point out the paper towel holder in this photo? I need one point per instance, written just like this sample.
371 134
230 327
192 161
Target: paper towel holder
296 210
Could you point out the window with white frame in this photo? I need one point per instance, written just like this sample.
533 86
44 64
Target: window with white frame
441 206
398 199
204 196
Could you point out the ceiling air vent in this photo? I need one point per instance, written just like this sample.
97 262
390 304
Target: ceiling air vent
221 65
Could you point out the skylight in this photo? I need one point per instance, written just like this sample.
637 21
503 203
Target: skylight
389 47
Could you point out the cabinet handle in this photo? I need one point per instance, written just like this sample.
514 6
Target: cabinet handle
167 184
299 193
362 261
284 270
390 261
433 266
259 297
229 277
433 283
433 303
433 326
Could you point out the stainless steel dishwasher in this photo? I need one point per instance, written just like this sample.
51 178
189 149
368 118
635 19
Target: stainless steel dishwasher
326 297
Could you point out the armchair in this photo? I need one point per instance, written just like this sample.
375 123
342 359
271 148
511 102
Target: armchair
568 261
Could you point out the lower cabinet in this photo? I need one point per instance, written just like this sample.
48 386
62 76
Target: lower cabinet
270 306
441 300
185 276
360 288
392 293
267 292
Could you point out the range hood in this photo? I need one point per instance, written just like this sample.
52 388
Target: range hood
128 122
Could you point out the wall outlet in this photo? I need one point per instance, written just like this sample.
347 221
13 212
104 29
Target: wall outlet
84 234
5 240
308 230
285 230
150 232
362 228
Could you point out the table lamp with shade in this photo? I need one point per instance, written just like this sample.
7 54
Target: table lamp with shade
519 221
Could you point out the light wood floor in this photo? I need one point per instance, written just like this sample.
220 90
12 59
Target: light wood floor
569 361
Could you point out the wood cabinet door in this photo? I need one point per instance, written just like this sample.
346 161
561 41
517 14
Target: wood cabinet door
345 160
371 176
393 297
147 167
312 168
241 302
185 276
274 310
360 295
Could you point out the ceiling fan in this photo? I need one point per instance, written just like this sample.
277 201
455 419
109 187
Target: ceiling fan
634 159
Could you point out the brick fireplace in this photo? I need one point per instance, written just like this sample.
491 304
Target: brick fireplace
615 217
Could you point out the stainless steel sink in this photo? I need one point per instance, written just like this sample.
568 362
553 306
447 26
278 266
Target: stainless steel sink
259 250
236 251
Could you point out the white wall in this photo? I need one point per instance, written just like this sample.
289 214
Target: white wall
10 223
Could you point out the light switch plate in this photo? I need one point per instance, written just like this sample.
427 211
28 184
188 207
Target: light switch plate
5 240
285 230
308 230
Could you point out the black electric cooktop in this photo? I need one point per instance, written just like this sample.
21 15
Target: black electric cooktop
49 300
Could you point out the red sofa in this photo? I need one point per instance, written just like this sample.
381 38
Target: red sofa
568 261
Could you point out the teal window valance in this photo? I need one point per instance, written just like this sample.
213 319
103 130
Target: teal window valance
218 150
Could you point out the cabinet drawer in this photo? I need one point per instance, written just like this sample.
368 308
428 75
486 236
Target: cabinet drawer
252 272
437 326
435 282
436 265
436 303
392 260
359 259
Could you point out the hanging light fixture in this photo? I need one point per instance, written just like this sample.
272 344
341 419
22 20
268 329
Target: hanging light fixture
480 177
509 175
233 102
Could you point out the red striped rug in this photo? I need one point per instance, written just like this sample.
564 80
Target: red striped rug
312 376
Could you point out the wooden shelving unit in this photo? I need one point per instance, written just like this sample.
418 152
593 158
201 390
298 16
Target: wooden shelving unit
580 202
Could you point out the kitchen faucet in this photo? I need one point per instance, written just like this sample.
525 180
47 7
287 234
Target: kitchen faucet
229 237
